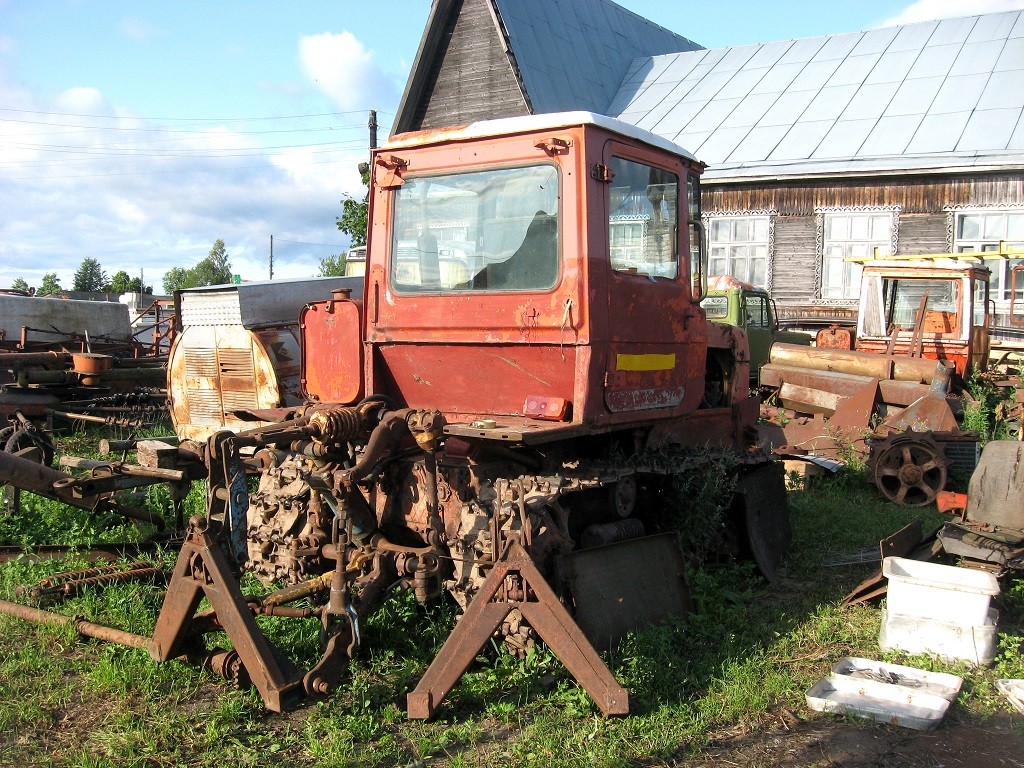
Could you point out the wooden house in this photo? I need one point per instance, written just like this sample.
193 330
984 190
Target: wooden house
906 139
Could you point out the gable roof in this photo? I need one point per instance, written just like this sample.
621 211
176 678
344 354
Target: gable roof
921 96
566 55
572 54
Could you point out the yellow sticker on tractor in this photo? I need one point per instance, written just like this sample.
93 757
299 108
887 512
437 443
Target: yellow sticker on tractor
645 362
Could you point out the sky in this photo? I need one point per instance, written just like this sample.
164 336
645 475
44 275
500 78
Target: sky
139 133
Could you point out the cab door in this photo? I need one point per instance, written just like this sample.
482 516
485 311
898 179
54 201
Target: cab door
655 357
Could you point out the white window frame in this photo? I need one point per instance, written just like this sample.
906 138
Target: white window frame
989 240
834 251
751 217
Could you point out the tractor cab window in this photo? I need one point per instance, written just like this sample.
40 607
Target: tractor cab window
717 307
906 298
758 315
495 230
643 219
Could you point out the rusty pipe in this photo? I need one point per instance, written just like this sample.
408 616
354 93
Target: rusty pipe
850 361
82 627
15 361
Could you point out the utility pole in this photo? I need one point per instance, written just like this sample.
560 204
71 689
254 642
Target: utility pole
271 257
372 125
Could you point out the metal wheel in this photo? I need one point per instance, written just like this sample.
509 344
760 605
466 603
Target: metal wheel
909 469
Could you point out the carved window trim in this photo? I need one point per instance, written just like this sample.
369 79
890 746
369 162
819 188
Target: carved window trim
770 213
819 243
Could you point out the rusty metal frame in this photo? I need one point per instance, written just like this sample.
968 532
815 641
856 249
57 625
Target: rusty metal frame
515 583
203 570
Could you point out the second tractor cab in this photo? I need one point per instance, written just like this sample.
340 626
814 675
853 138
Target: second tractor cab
746 306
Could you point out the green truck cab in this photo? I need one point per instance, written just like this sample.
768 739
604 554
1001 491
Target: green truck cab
733 302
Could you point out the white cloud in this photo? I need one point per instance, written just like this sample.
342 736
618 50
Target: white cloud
138 195
341 67
927 10
81 177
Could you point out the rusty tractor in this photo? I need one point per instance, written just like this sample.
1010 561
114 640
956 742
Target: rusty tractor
494 418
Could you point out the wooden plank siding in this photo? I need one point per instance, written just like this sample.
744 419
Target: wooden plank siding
470 78
912 194
923 216
794 261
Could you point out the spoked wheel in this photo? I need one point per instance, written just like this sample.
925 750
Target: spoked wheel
909 469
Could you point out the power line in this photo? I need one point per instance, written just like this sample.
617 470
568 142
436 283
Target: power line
300 242
180 152
191 132
156 173
191 119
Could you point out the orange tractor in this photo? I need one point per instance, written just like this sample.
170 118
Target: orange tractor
495 418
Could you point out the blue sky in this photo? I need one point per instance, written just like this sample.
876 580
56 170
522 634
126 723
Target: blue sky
138 133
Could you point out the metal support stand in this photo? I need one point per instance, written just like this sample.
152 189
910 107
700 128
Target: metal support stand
514 582
202 570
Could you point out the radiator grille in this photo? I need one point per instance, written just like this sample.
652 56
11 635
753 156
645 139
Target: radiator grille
236 363
204 406
200 361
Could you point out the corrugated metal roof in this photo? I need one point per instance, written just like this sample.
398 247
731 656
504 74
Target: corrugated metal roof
572 54
928 95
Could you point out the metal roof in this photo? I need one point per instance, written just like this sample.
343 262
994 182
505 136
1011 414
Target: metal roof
571 54
547 121
939 94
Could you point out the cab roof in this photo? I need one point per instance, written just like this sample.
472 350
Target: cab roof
530 123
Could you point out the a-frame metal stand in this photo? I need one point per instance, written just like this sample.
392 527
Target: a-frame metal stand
514 582
202 570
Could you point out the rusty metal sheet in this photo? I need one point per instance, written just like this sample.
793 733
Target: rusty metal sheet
930 413
834 337
901 392
332 351
621 587
854 412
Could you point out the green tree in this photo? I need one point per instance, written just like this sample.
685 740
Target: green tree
19 284
50 284
121 282
332 266
215 269
353 219
90 276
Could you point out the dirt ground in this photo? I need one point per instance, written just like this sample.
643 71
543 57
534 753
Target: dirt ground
830 743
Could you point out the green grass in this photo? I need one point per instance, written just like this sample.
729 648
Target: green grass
747 653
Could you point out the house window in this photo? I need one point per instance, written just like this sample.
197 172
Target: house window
627 242
851 235
643 219
983 231
739 247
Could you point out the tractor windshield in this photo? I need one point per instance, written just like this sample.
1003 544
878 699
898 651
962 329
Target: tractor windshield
493 230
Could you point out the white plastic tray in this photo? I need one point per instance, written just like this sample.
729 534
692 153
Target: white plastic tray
886 703
938 683
1013 690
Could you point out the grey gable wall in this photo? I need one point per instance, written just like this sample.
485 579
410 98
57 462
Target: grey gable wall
470 74
483 59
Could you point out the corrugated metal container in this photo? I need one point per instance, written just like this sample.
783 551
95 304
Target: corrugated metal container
239 350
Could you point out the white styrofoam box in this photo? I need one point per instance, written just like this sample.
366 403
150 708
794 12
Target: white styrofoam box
884 702
950 641
941 592
938 683
1013 690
